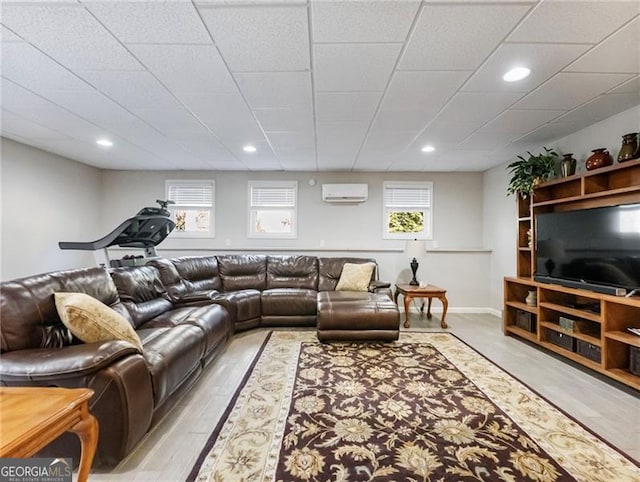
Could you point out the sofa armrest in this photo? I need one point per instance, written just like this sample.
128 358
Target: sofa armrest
198 298
376 285
62 363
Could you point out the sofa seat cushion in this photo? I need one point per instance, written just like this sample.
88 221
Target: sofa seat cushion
289 302
213 320
172 355
368 317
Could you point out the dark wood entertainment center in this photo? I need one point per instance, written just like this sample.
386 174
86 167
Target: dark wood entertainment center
599 339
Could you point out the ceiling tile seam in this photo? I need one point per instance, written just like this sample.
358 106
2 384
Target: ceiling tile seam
169 91
21 116
239 5
595 46
410 32
244 99
460 89
313 86
628 81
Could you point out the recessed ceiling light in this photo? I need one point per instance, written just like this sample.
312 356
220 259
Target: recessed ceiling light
428 149
104 142
515 74
249 149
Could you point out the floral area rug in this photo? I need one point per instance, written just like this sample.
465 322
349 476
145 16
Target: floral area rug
425 408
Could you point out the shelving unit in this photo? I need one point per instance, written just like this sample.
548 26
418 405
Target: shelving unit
601 341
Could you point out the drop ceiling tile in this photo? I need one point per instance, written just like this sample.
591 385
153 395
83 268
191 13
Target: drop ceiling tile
630 87
70 35
7 35
15 124
298 164
568 90
544 60
227 115
353 67
204 146
372 21
346 106
276 89
520 121
168 120
27 66
488 140
444 133
287 119
261 39
446 36
339 142
263 156
422 89
292 140
186 69
602 107
401 119
586 21
386 144
551 132
211 3
151 21
476 108
383 163
133 90
618 53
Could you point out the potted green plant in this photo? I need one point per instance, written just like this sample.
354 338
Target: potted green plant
526 173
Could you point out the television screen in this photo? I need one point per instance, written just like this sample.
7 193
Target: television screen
599 246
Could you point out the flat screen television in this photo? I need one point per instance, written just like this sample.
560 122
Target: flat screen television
598 246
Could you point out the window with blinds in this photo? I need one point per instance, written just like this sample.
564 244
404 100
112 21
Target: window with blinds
273 209
193 211
407 210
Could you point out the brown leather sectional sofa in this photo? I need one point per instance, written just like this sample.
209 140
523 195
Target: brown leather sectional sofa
184 311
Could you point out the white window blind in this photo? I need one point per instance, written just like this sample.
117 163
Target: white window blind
191 194
407 196
275 196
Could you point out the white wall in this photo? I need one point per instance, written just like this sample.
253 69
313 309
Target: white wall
45 199
500 211
460 265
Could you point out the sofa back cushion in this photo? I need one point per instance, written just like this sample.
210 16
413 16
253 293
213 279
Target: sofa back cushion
29 315
141 292
243 272
330 269
292 272
185 276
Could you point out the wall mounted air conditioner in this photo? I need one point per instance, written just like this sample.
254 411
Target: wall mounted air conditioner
345 193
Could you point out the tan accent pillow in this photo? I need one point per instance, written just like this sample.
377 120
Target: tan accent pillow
91 320
355 277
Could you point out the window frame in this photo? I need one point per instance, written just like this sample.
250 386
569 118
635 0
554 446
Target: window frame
253 209
427 232
172 207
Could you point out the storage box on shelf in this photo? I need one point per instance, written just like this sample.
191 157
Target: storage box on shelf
599 338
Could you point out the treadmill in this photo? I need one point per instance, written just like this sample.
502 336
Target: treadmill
148 228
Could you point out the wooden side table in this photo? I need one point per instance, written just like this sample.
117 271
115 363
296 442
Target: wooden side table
430 291
32 417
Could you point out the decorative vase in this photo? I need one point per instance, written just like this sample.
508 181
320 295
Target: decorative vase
567 165
531 299
629 147
599 158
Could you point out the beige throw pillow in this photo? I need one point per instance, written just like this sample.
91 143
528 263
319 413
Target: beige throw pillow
355 277
91 320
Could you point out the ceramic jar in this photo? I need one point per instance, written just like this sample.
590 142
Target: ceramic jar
599 158
531 299
567 165
629 147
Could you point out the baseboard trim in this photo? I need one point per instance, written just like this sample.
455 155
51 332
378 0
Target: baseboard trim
460 309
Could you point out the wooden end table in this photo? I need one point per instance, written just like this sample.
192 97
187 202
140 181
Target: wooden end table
430 291
32 417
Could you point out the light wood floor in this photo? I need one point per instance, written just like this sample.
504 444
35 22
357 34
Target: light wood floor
169 451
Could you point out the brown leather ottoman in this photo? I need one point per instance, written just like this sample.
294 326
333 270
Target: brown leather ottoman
357 316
